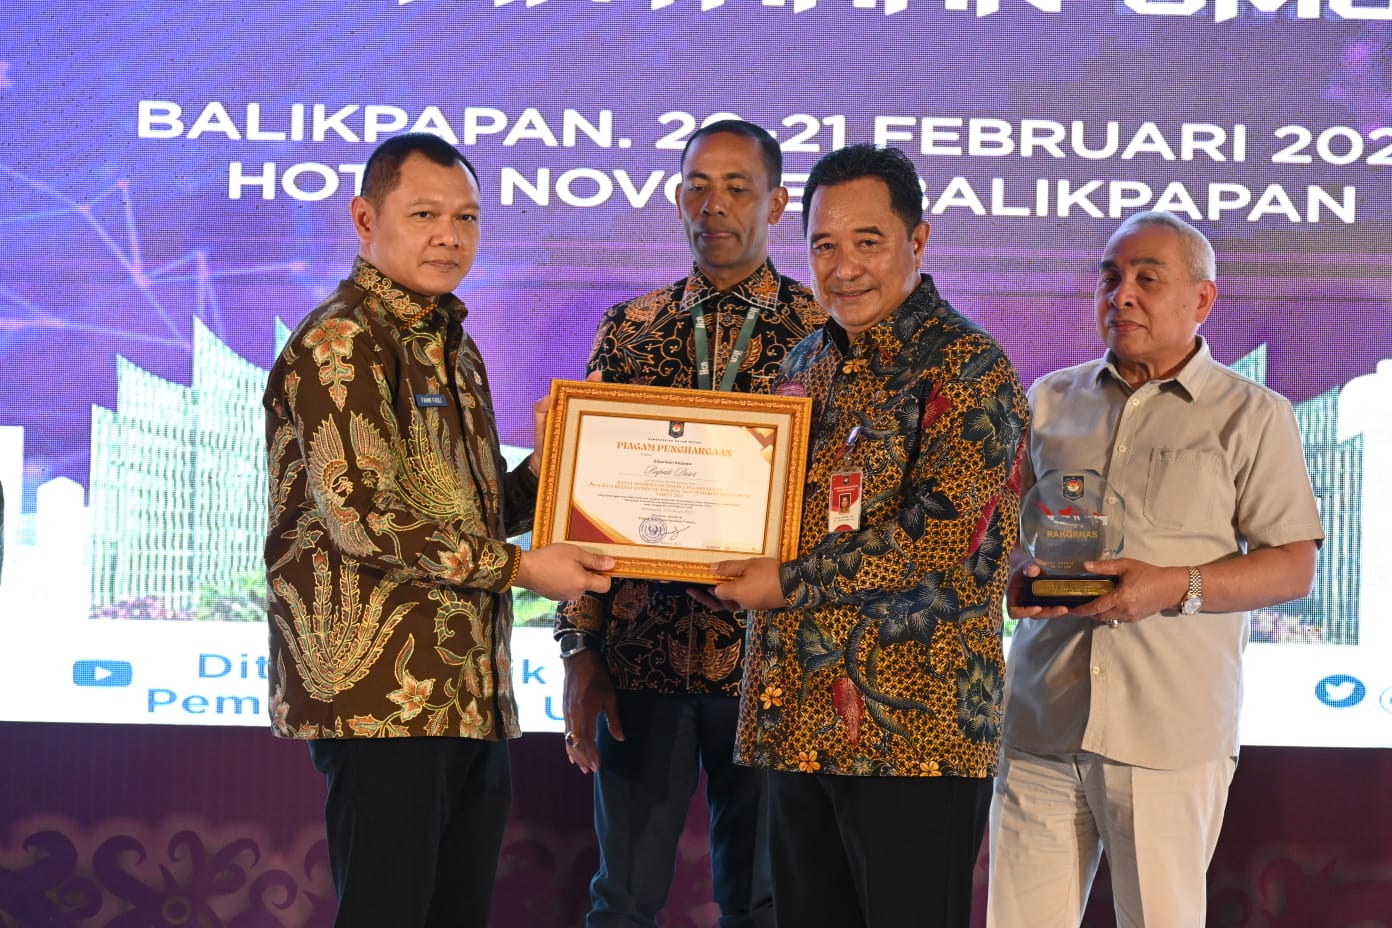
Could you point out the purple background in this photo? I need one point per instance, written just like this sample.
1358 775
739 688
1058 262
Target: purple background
109 243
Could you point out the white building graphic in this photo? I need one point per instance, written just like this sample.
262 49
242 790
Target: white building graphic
1335 459
11 489
178 485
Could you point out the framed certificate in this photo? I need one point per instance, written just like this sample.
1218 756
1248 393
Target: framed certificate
668 481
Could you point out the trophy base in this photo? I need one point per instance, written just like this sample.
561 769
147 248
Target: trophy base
1064 591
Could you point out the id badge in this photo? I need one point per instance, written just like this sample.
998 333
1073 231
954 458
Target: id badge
844 501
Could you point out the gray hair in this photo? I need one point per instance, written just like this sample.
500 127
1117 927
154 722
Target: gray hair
1198 253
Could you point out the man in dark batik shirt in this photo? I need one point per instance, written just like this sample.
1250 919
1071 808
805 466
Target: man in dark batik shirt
663 669
387 559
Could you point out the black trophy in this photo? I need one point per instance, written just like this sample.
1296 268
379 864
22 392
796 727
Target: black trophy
1066 518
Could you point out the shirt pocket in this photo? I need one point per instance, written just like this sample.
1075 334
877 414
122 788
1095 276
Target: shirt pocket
1187 489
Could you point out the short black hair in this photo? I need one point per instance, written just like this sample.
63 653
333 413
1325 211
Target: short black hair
383 170
865 160
773 154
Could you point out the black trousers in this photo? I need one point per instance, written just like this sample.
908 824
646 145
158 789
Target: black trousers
642 793
415 828
875 852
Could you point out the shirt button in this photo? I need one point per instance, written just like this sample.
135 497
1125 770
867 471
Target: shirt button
1096 670
1136 401
1111 500
1121 449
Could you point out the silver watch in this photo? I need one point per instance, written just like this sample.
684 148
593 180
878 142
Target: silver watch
573 641
1193 599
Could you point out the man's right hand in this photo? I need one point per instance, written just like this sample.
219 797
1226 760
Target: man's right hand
563 571
588 692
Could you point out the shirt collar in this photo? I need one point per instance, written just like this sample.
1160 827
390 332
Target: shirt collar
759 289
1188 380
891 332
404 305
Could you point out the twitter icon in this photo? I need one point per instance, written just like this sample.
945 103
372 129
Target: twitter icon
1340 691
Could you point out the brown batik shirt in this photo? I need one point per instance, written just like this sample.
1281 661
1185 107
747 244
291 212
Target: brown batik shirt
390 614
654 636
887 661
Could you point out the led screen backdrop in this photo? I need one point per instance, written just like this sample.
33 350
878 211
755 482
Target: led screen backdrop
174 186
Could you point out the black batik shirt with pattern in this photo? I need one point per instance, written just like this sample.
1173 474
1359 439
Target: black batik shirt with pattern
654 636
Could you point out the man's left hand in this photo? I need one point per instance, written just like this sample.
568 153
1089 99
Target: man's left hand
541 411
756 584
1142 590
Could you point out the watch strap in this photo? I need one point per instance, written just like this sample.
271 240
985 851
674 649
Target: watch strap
575 640
1195 591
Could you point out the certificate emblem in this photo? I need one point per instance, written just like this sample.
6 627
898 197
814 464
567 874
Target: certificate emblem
652 530
676 429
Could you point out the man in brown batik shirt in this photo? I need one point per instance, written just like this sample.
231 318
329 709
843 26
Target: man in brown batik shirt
661 668
386 557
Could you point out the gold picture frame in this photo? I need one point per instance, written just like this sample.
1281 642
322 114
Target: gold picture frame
670 481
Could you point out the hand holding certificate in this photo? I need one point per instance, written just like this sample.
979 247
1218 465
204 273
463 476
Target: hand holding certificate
669 482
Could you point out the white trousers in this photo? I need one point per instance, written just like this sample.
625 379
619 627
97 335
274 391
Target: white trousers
1052 816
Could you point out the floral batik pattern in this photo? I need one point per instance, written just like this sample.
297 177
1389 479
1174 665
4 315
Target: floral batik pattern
888 660
388 575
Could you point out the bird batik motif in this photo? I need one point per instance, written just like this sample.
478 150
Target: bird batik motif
389 509
335 645
709 659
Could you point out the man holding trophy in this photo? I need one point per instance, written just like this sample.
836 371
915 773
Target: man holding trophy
1170 498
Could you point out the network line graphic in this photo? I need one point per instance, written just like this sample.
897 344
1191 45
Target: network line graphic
124 247
175 485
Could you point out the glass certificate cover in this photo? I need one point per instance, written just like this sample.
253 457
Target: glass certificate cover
670 481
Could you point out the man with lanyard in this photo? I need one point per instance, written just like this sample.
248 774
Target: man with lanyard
661 668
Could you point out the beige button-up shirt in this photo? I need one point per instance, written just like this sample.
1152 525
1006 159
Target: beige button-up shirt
1210 465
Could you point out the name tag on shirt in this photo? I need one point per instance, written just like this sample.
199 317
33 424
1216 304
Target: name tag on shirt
843 504
431 399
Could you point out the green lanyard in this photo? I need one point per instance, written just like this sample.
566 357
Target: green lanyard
703 361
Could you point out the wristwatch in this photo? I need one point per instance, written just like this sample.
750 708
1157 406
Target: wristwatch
1193 599
573 641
